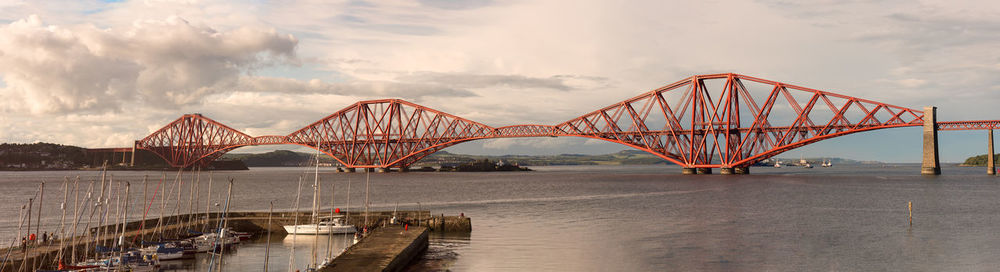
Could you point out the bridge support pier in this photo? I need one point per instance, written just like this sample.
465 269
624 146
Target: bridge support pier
704 171
930 165
136 143
991 165
734 170
688 171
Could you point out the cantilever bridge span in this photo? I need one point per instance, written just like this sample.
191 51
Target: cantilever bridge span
704 121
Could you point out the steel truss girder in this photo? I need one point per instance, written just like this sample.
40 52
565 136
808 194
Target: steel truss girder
713 120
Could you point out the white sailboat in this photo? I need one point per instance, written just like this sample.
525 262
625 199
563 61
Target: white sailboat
328 225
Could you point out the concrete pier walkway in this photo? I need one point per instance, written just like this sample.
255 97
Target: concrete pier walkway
389 248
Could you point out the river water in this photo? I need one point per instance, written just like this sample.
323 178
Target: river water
623 218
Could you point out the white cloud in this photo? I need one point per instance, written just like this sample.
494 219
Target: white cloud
161 64
911 82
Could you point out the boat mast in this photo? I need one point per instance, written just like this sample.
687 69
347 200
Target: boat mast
117 214
38 224
145 209
295 228
142 224
316 203
219 241
347 209
38 221
190 210
267 248
62 220
208 199
163 206
100 199
104 219
121 237
90 219
76 214
368 176
79 216
315 223
197 197
225 222
177 201
329 237
27 249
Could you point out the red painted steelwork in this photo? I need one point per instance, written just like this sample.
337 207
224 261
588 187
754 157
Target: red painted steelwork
387 133
716 120
192 139
969 125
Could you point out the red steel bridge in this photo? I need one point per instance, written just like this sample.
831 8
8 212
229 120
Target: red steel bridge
705 121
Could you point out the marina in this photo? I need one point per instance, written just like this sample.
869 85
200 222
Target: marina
117 243
245 225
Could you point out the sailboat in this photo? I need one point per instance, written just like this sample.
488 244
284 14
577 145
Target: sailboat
326 225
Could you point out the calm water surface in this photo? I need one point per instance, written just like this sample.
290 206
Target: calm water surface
625 218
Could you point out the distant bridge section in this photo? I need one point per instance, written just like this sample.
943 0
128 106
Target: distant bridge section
969 125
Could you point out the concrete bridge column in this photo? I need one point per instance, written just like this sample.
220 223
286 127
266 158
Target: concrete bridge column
727 171
688 171
704 171
931 165
349 169
136 143
991 166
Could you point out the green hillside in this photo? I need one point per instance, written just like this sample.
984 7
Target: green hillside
290 158
979 160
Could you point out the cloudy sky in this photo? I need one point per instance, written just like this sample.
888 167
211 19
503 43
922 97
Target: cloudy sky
104 73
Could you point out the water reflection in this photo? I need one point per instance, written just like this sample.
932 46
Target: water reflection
249 255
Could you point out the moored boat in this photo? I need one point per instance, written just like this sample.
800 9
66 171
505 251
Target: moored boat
328 225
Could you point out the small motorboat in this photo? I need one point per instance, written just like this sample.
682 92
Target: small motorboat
329 225
164 251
